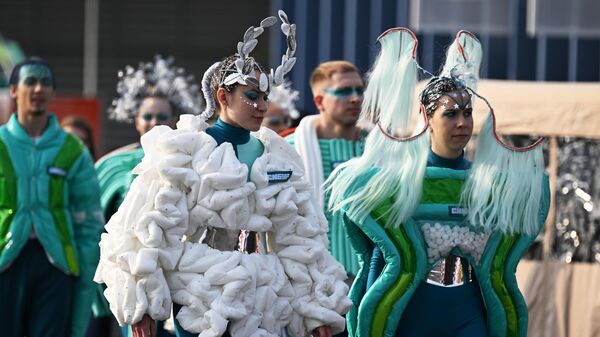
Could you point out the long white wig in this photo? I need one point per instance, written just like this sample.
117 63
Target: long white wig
399 161
463 59
504 188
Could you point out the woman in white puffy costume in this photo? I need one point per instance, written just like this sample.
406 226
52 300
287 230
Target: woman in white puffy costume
221 223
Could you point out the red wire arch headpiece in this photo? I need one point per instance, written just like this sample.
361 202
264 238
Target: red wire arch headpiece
498 139
495 134
422 111
461 50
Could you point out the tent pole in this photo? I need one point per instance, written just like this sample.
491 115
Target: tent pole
549 227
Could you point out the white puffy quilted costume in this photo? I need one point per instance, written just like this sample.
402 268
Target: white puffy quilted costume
175 238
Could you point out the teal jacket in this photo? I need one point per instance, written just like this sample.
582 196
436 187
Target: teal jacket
50 186
377 310
115 176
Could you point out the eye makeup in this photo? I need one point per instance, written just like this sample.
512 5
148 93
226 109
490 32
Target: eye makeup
345 92
161 117
31 74
251 98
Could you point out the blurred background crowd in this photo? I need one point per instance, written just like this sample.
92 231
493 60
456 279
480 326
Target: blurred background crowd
540 71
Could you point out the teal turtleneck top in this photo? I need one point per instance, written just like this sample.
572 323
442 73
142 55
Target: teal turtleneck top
247 147
460 163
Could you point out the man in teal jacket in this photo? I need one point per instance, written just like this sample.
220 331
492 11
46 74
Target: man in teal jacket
330 138
50 217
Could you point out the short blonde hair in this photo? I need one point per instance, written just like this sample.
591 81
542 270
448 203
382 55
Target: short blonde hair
325 71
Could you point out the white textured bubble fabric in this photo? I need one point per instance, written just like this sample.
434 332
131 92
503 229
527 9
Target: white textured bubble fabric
186 184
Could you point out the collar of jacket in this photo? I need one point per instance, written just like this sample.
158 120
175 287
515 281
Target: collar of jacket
16 130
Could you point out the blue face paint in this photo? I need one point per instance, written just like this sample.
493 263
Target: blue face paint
31 74
345 92
251 97
251 94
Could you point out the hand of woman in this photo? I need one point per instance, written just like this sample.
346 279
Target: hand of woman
322 331
144 328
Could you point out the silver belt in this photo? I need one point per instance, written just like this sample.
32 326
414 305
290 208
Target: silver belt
451 271
244 241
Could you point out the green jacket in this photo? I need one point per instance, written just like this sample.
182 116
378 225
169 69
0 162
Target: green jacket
114 177
377 310
50 186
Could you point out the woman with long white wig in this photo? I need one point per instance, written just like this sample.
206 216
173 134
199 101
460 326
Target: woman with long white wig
439 237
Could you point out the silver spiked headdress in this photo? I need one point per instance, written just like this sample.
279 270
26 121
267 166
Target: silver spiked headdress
242 70
159 78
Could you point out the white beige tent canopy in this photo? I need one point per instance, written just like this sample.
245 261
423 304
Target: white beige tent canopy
542 108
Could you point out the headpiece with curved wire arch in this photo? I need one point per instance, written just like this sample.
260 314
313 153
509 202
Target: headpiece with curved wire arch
413 55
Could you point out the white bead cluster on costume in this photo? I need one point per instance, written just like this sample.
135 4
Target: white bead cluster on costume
441 238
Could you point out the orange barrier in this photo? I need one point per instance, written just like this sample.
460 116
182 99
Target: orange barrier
87 108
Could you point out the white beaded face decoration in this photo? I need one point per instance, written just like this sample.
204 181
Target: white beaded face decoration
253 97
460 101
252 104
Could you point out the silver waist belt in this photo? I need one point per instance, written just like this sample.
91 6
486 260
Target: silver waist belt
451 271
245 241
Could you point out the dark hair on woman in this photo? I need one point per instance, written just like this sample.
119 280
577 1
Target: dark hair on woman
227 67
436 88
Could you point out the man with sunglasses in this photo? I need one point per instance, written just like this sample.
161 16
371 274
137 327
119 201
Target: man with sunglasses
50 218
330 138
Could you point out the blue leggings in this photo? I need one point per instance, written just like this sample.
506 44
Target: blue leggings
444 312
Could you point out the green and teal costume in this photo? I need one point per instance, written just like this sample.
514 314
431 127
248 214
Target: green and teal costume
115 174
332 152
49 216
422 217
378 309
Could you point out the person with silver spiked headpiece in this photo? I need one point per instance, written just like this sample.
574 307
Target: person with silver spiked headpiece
153 93
221 223
282 108
440 236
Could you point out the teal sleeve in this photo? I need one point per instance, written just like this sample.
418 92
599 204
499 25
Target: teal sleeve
247 153
375 266
291 139
84 201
